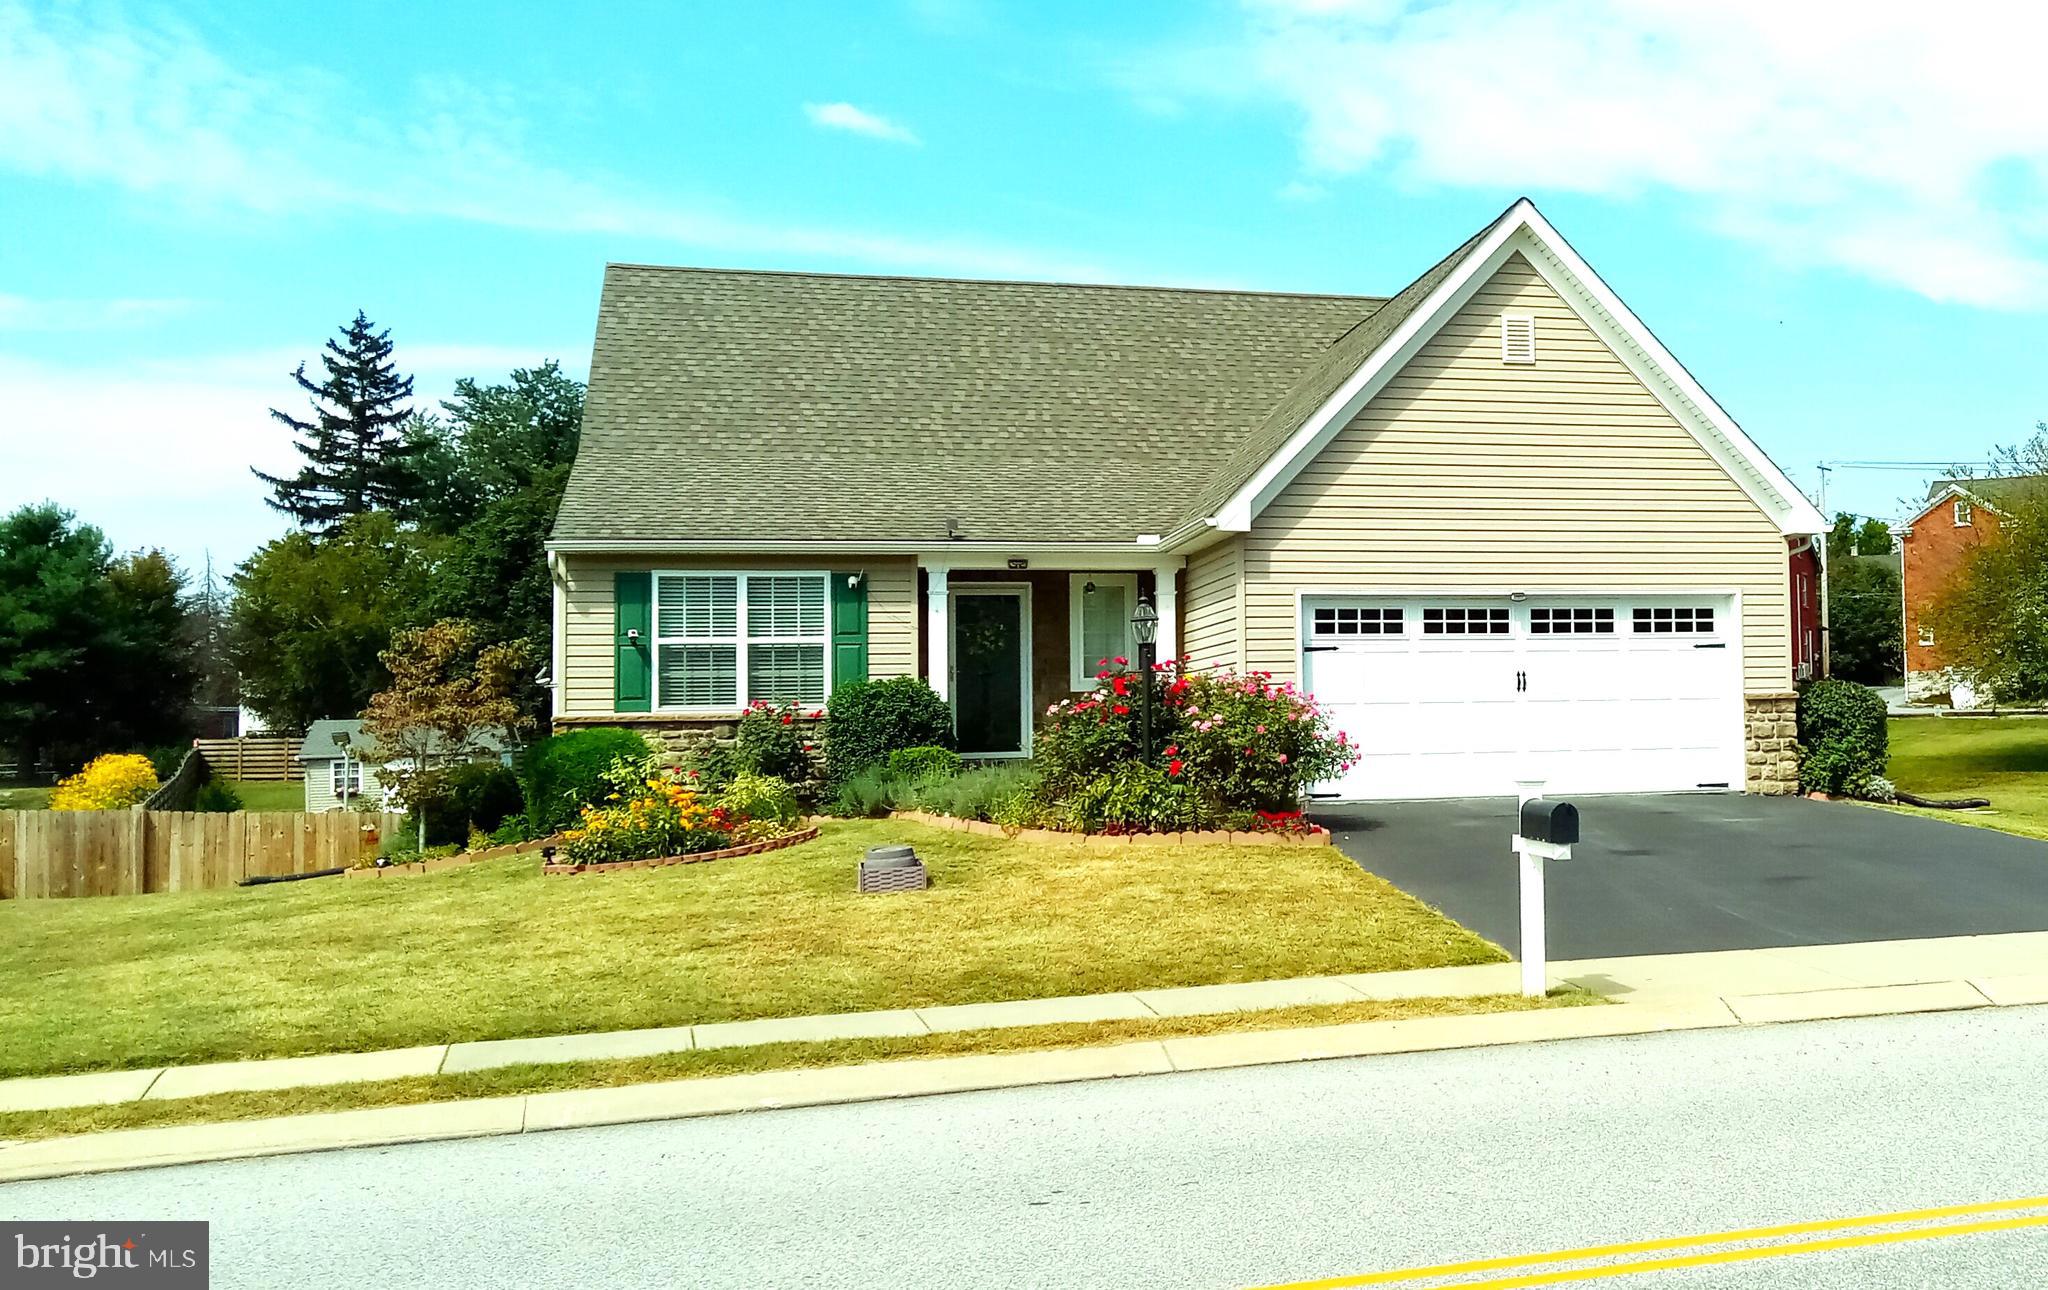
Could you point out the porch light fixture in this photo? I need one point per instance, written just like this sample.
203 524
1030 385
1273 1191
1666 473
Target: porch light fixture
1145 630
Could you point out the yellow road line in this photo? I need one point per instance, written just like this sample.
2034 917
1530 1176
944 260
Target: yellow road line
1673 1243
1757 1252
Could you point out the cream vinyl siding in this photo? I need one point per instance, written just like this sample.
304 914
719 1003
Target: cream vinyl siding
1209 636
1465 472
587 608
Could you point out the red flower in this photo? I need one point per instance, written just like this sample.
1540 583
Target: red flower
1121 685
1173 750
787 719
1122 709
1121 661
1173 767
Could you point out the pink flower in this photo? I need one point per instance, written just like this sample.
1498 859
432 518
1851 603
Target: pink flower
1121 661
1262 730
1283 759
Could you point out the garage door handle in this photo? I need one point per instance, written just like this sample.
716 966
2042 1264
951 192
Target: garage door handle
1317 649
1521 682
1706 645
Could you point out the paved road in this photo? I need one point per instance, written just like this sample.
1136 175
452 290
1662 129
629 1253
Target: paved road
1710 871
1220 1179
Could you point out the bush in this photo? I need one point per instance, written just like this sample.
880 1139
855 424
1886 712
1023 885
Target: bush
166 760
868 720
978 794
511 831
564 773
868 793
771 742
109 782
1135 798
928 761
761 799
216 796
485 794
1843 744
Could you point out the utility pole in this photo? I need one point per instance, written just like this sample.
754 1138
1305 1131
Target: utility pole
1822 500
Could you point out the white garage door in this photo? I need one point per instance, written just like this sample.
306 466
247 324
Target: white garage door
1457 697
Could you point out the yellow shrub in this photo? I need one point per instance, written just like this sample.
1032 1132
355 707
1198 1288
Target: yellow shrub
109 782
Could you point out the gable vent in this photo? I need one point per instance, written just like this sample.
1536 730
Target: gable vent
1517 338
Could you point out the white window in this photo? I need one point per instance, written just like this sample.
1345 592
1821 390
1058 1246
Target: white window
1354 620
1927 636
1963 514
1099 607
724 640
1684 620
1464 622
345 777
1517 338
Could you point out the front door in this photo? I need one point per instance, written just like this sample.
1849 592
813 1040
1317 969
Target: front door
991 646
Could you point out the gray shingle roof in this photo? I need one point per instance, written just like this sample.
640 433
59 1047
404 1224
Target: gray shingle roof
748 405
319 745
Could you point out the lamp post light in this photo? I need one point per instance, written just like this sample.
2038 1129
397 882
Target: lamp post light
1145 630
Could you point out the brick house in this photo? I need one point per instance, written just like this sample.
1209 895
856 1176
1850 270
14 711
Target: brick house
1958 516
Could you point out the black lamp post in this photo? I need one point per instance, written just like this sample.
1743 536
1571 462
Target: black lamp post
1145 630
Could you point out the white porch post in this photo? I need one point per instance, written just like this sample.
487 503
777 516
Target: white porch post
936 633
1166 599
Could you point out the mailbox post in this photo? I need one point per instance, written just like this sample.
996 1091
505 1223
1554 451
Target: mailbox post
1544 831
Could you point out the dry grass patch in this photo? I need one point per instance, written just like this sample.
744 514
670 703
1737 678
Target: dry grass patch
494 951
557 1076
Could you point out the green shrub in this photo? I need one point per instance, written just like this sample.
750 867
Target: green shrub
763 799
868 793
512 830
166 760
216 796
485 794
1843 744
1135 798
566 772
975 794
772 741
868 720
927 761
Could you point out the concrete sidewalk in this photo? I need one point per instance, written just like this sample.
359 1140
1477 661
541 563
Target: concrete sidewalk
1653 994
1750 985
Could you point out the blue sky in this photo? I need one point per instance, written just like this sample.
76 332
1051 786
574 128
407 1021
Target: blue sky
1841 229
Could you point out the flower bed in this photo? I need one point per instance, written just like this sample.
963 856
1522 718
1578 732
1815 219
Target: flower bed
694 857
1313 835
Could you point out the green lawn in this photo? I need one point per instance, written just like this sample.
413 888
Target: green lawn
269 795
256 795
494 950
2002 758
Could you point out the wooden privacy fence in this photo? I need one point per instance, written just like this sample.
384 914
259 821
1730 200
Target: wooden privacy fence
262 757
124 853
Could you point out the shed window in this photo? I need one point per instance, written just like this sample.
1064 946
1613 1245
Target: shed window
345 778
724 640
1964 514
1099 608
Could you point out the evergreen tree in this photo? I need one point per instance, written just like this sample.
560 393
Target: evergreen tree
355 456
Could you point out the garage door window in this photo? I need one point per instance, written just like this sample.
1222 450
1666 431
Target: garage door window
1353 620
1576 620
1683 620
1464 622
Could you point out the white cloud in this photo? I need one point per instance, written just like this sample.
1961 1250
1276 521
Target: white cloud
1904 142
21 313
1300 190
151 108
845 116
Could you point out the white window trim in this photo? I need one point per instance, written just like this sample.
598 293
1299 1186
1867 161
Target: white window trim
334 778
1926 636
1513 328
1965 514
1083 669
739 644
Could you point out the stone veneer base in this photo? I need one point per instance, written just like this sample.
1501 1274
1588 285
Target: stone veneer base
1317 837
725 853
1771 743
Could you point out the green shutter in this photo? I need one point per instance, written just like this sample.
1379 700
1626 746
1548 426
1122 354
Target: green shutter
633 670
849 627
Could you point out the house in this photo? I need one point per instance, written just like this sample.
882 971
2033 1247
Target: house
1959 515
1809 610
336 767
1489 520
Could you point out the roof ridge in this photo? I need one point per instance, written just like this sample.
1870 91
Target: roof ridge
711 270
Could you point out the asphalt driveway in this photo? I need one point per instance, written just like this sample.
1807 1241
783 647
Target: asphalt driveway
1710 871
